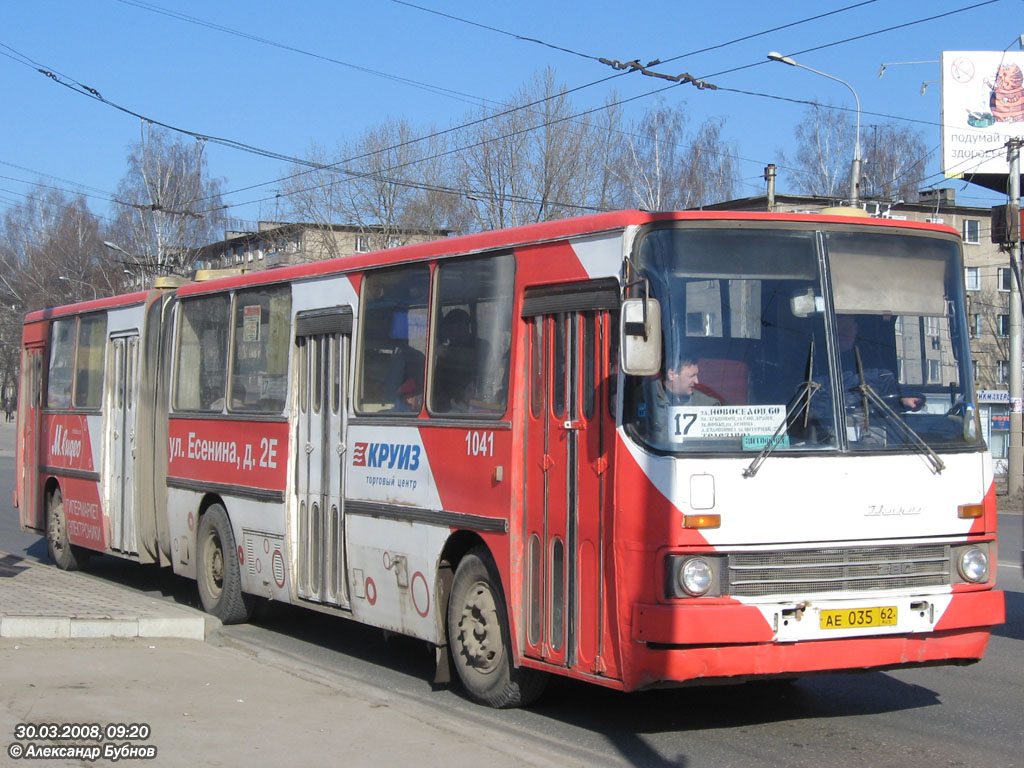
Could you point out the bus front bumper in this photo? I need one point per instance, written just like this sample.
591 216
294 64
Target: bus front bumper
686 643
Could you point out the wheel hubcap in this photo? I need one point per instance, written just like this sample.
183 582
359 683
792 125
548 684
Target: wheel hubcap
57 529
215 565
480 630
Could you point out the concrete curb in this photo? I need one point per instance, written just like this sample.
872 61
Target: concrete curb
40 601
70 628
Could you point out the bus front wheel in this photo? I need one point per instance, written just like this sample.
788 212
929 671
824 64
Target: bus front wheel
479 637
67 556
219 577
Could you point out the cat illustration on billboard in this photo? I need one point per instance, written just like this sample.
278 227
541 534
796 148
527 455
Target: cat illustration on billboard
1007 100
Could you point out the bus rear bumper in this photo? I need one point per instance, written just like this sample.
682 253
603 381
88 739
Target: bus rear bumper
729 641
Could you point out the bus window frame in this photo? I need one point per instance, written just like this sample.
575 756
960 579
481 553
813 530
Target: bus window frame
104 339
51 347
357 396
266 289
179 310
434 331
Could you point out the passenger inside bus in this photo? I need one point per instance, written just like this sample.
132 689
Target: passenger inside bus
389 358
410 397
457 363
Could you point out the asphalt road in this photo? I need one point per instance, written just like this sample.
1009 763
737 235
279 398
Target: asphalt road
933 717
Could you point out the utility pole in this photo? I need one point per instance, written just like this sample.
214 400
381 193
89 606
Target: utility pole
1015 470
769 176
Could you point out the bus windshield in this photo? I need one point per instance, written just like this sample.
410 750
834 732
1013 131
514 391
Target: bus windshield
754 359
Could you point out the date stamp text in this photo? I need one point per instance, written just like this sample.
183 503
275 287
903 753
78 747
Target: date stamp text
81 741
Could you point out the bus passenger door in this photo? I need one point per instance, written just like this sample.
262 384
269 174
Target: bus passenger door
123 351
566 489
323 340
30 398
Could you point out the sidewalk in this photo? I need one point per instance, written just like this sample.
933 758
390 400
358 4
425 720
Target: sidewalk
207 705
41 601
76 649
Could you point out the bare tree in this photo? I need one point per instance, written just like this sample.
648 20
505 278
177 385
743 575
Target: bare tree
663 167
711 168
992 343
169 207
388 183
491 168
536 158
825 140
651 166
50 251
50 254
893 161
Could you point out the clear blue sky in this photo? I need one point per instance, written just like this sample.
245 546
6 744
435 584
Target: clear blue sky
365 61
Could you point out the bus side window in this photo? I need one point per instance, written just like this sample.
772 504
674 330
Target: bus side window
260 347
393 337
201 364
61 371
92 332
472 336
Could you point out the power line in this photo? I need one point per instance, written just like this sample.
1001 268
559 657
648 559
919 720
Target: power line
301 51
679 79
864 36
524 38
201 22
58 178
94 93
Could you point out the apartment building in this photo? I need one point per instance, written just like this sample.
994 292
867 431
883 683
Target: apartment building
274 244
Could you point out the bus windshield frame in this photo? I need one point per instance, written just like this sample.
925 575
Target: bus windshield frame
797 338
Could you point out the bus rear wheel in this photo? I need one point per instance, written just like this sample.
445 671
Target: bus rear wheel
219 577
67 556
479 637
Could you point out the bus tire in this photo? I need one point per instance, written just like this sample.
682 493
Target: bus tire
67 556
218 576
478 636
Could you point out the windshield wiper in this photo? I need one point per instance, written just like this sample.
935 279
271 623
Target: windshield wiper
905 431
803 396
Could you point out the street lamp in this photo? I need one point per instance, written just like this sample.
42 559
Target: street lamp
79 282
855 165
116 247
133 261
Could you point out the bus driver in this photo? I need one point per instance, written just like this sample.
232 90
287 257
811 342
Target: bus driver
677 387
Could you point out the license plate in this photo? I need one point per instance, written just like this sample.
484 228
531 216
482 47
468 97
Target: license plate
858 618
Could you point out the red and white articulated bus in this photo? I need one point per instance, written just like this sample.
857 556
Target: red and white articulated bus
633 448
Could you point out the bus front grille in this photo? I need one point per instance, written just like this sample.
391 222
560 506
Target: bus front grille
855 569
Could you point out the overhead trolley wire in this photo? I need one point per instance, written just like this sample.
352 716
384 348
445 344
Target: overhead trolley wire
234 144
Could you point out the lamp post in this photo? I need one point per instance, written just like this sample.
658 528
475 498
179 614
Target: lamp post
133 261
79 282
855 165
119 249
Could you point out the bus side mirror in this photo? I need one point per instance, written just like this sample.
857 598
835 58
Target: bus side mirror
640 336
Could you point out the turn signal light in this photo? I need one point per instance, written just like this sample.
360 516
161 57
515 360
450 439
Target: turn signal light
970 511
702 521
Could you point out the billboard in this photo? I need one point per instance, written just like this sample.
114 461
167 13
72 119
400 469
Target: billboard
982 108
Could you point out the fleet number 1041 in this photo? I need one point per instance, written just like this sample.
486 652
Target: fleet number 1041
479 443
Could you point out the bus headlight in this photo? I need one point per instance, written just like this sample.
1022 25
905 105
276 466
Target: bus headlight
695 575
973 564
